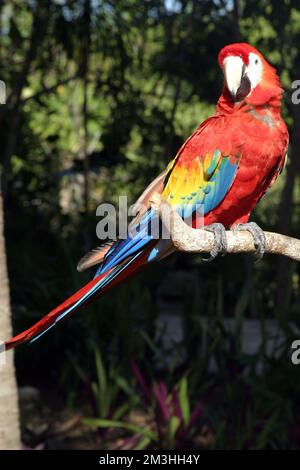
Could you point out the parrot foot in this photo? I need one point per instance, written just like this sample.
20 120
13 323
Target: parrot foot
258 236
220 246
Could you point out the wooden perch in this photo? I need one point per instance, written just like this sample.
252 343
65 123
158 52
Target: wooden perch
193 240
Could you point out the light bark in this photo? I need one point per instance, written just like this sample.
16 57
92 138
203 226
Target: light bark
192 240
9 409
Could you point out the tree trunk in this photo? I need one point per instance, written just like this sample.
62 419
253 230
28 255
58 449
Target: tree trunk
85 111
9 410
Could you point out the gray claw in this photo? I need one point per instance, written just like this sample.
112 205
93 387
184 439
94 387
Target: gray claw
220 246
258 236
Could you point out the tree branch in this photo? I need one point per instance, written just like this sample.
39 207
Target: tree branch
192 240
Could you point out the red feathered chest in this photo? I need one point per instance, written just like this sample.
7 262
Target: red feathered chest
259 139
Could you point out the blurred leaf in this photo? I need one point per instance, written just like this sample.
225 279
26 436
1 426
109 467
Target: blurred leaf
106 423
184 400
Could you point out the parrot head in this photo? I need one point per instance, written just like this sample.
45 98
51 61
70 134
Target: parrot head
248 76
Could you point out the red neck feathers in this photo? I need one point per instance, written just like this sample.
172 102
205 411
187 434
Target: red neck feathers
266 94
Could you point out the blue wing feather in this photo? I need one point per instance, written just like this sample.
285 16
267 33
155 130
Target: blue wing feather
218 178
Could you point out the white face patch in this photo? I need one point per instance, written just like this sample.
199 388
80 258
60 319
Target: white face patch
254 69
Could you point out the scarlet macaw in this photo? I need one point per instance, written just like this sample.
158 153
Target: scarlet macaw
226 165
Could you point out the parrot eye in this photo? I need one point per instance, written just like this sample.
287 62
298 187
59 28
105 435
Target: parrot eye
254 59
254 69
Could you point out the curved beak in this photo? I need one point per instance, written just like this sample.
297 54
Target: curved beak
234 69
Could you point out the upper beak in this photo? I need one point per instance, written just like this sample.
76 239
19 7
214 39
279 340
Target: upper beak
234 69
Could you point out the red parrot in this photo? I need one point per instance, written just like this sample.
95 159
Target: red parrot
225 166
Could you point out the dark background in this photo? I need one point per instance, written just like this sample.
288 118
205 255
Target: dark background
100 96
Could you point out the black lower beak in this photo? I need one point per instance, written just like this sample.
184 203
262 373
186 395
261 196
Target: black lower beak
243 90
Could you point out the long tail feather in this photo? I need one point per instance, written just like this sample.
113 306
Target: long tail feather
96 287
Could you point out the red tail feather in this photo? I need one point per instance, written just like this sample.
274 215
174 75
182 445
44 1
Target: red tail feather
48 320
